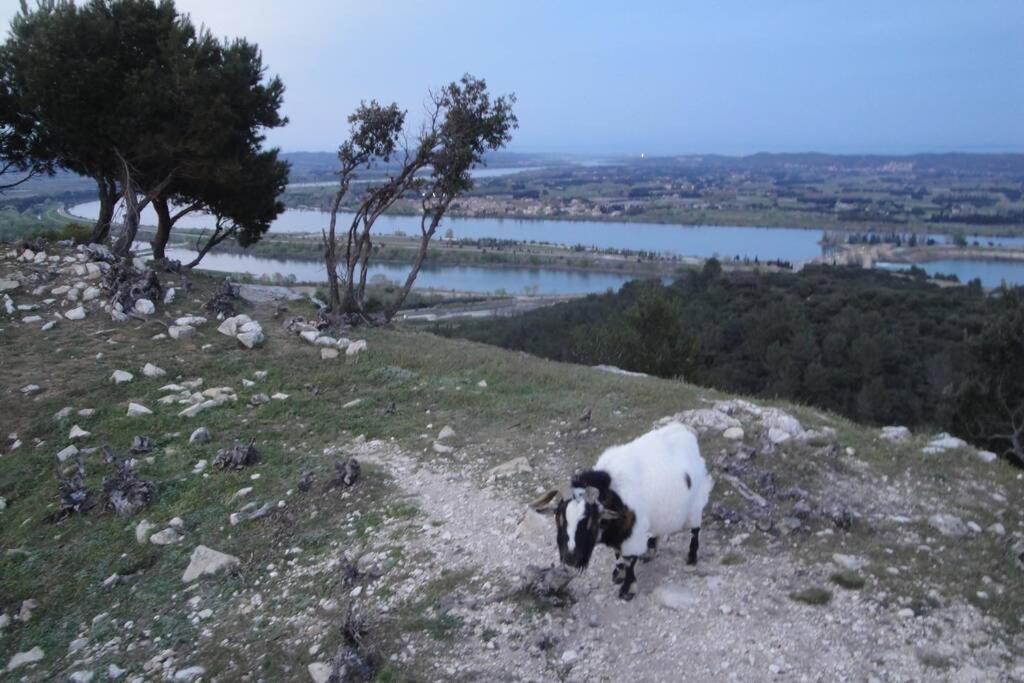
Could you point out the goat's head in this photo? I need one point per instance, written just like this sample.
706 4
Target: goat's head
578 515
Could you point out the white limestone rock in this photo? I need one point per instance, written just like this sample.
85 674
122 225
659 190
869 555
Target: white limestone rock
150 370
137 410
145 307
207 562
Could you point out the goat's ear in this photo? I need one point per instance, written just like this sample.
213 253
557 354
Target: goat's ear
548 502
591 494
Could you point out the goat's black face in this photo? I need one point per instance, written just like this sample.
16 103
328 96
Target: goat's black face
579 527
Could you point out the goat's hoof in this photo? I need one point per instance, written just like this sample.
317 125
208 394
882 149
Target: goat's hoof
627 594
618 575
691 561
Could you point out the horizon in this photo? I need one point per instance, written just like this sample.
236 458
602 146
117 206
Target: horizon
733 80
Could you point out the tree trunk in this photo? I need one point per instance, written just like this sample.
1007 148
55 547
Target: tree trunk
108 199
163 228
331 257
421 256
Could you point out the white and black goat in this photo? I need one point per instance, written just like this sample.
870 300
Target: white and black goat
636 494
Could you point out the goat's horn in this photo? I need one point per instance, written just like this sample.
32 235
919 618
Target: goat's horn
544 500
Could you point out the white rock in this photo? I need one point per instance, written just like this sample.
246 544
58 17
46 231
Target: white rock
324 340
150 370
81 677
319 672
569 657
251 338
705 419
997 529
120 377
514 466
482 384
189 674
177 522
328 354
69 452
166 537
181 331
353 403
943 442
441 448
114 672
137 410
63 414
446 433
22 658
78 433
30 389
77 644
190 320
143 530
145 307
310 335
673 596
169 295
733 433
8 285
48 326
207 561
986 456
279 396
355 348
32 319
201 435
90 293
75 313
948 525
895 433
851 562
776 435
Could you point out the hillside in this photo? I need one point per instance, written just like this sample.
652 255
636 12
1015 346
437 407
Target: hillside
828 552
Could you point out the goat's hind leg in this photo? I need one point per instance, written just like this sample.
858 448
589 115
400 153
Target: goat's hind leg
652 549
629 589
691 557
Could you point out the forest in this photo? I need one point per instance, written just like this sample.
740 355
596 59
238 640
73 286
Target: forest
873 346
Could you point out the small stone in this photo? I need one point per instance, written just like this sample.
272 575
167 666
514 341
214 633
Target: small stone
674 596
169 295
69 452
143 530
189 674
137 410
22 658
319 672
905 613
895 434
150 370
181 331
201 435
259 399
948 525
996 529
328 353
353 403
279 396
145 307
120 377
78 433
177 522
850 562
114 672
77 644
570 657
441 448
81 677
482 384
987 456
512 467
251 338
733 433
309 335
207 561
446 433
165 537
355 348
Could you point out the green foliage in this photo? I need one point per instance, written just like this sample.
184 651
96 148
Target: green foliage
848 579
812 596
877 347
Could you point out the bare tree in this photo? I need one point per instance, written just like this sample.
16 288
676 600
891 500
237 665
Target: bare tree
462 124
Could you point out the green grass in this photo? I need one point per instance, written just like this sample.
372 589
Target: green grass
812 596
850 580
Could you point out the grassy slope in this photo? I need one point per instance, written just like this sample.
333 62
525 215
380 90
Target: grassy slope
433 381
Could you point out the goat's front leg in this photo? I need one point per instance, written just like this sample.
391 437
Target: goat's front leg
626 565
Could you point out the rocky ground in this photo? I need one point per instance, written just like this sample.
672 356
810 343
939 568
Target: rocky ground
238 540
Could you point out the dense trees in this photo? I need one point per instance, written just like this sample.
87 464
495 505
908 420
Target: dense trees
880 348
130 89
462 124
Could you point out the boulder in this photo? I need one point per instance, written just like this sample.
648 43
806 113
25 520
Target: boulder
145 307
207 562
75 314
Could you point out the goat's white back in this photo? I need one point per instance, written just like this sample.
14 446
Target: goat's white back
649 474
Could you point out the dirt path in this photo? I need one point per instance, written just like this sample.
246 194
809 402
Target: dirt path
728 621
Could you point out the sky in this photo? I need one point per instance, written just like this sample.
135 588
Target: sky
672 77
